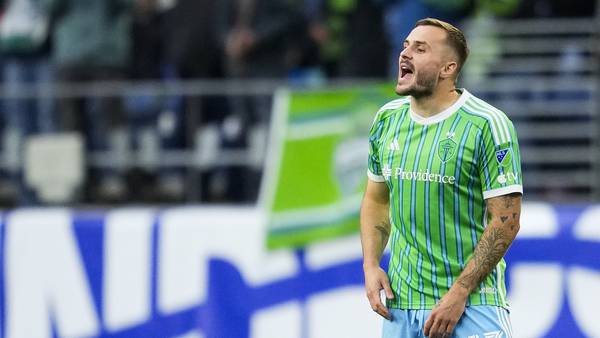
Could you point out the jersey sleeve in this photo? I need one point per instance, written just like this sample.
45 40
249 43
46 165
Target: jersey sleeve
500 160
373 164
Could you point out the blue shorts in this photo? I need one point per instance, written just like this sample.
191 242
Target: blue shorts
478 321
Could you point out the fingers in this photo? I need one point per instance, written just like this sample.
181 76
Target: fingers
382 311
389 294
436 327
450 329
438 330
434 331
427 327
376 304
375 281
430 329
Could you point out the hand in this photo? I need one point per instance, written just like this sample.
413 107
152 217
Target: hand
445 315
376 280
239 42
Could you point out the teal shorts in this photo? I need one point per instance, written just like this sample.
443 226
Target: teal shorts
478 321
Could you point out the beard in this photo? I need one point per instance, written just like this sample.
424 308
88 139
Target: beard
423 85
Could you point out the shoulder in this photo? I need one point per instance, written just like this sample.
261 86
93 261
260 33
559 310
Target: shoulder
488 118
391 107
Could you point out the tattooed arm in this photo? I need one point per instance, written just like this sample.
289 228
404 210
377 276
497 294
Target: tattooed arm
503 224
503 215
374 233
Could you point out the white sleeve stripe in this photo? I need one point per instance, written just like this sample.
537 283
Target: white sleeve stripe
399 101
375 178
493 119
503 191
390 105
502 128
395 103
501 117
488 118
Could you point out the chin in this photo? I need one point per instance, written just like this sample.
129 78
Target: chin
403 90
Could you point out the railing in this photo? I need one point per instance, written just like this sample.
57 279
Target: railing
542 73
203 155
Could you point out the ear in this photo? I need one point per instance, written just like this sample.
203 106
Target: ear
449 69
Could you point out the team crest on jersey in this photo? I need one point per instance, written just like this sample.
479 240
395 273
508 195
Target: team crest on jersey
503 156
446 150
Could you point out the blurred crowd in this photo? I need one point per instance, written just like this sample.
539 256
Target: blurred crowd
304 42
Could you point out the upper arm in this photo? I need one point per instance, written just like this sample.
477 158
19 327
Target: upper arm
499 159
505 210
377 192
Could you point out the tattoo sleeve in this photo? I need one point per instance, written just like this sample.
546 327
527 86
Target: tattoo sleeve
502 229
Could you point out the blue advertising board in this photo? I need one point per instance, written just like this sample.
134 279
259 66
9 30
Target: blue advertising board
204 272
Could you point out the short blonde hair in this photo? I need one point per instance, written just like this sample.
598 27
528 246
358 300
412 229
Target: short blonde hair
455 38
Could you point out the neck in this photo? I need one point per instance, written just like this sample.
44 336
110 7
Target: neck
442 98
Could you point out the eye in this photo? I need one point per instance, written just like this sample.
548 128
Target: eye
420 50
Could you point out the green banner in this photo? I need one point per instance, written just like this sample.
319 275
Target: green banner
316 170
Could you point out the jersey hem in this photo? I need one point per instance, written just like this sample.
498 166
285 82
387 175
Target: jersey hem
405 306
503 191
375 178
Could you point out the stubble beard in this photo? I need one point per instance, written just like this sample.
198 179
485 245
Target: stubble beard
423 86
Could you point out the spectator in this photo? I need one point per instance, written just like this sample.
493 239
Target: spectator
92 43
193 45
24 43
260 44
348 33
261 36
147 41
143 111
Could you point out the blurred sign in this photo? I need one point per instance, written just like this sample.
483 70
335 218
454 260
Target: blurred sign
316 170
205 273
54 166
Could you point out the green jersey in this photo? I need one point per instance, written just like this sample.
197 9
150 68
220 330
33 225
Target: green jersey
439 171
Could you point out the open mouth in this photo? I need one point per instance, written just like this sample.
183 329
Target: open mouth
405 70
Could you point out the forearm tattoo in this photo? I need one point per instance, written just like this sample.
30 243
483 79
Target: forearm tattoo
491 248
492 245
384 230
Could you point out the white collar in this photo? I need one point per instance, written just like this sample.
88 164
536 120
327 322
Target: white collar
446 113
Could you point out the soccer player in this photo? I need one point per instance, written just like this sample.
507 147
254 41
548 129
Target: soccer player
445 185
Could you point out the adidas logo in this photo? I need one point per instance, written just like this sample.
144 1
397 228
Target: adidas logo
494 334
394 145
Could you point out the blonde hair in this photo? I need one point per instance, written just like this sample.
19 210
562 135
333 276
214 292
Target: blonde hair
455 38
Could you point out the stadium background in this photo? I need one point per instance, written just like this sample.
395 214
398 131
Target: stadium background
158 174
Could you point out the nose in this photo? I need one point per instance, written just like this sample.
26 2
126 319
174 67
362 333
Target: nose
405 54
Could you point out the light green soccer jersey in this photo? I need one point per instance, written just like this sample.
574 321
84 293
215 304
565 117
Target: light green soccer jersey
439 171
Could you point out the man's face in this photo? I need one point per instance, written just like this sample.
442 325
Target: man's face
421 61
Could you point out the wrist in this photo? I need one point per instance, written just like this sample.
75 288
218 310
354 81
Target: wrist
370 263
460 291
